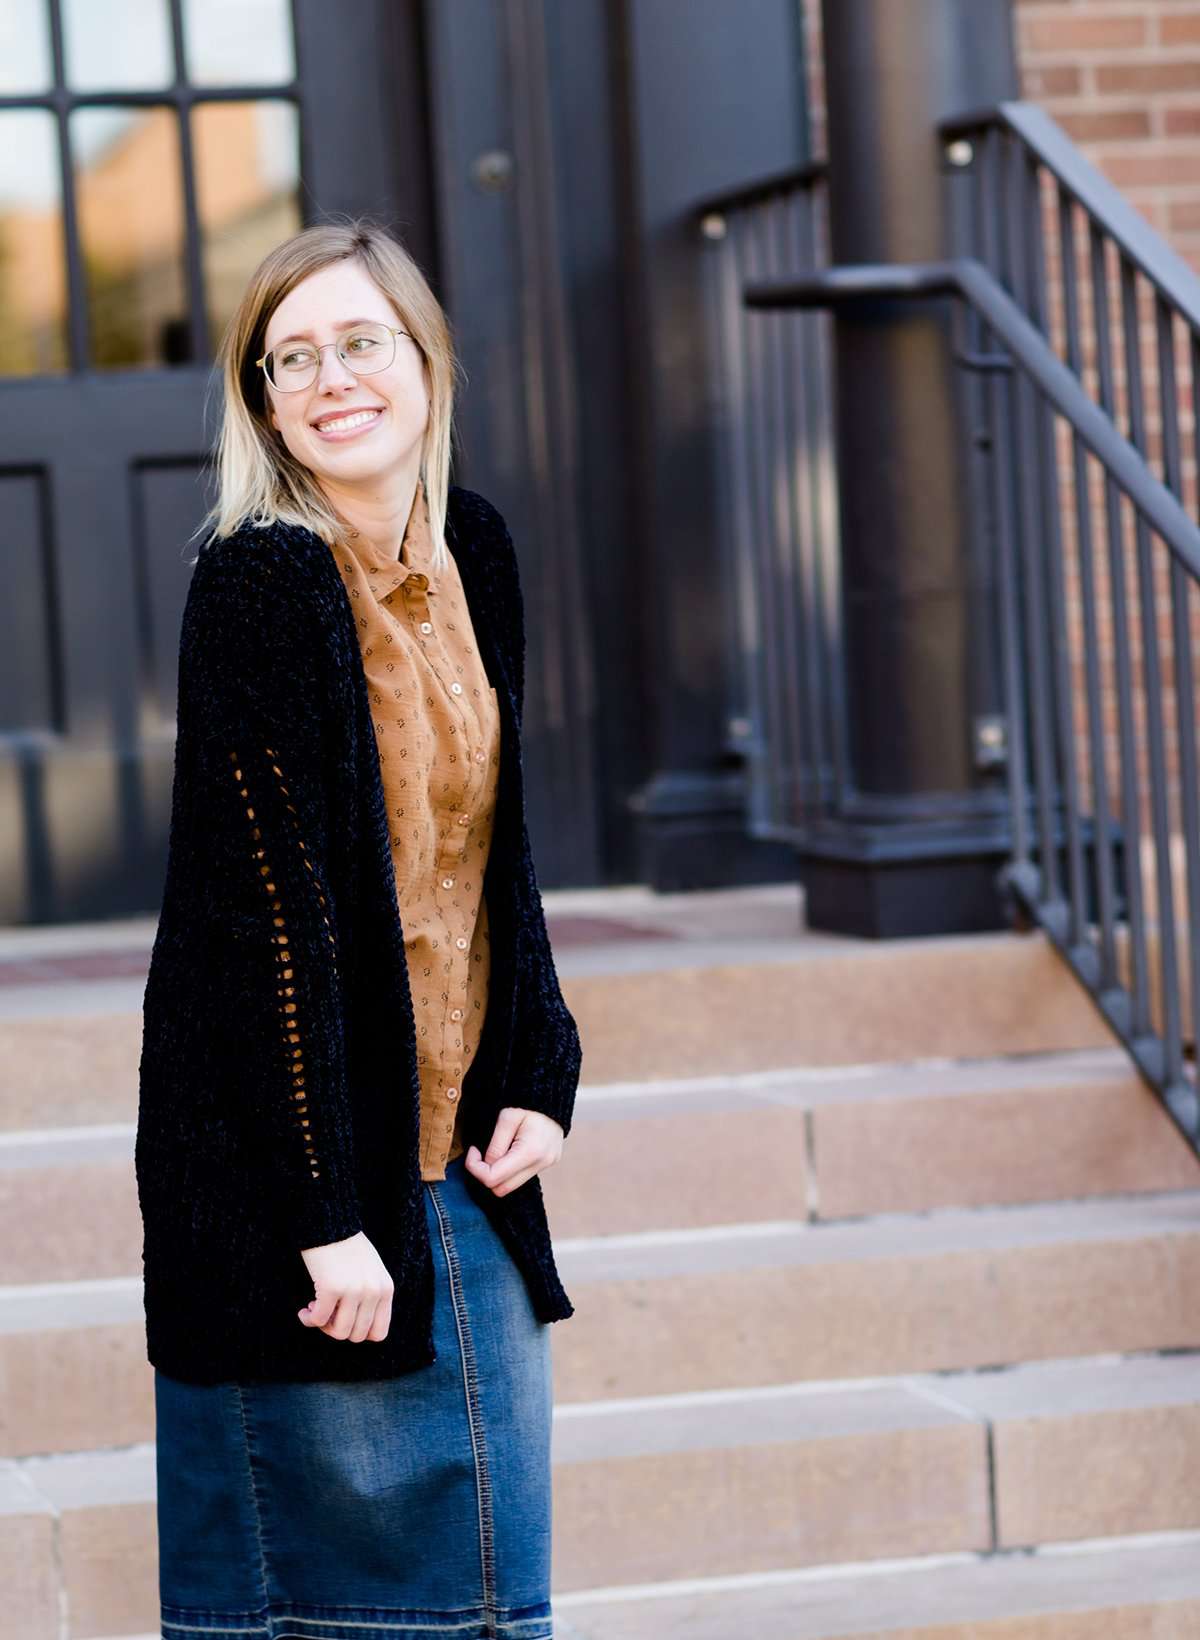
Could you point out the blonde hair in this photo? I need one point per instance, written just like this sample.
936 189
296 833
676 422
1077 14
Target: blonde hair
259 480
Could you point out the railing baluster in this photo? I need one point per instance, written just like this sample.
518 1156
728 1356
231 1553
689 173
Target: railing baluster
744 566
999 398
1168 978
1102 834
838 782
785 636
1182 1092
806 523
1131 820
1059 653
1029 423
750 267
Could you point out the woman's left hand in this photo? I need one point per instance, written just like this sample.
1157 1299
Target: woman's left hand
525 1142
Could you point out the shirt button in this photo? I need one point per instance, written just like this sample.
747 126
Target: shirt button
456 688
447 882
464 819
456 1013
451 1093
479 757
426 626
461 943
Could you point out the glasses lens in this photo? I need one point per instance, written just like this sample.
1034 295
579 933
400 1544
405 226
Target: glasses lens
291 366
367 348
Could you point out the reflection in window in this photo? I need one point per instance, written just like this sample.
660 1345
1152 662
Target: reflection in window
119 45
25 62
33 290
238 42
247 163
131 229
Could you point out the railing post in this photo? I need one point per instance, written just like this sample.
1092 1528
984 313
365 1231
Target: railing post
924 829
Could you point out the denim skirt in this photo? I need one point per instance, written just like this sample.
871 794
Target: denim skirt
403 1508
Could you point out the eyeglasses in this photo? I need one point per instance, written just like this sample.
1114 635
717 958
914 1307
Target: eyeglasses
363 349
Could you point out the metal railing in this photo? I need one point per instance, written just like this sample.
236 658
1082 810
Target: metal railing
1115 708
1079 333
771 380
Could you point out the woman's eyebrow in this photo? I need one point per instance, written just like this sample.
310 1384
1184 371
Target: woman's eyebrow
307 336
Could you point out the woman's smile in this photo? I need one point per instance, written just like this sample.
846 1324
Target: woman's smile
338 426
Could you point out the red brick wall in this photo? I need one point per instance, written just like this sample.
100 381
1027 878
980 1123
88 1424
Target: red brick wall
1122 77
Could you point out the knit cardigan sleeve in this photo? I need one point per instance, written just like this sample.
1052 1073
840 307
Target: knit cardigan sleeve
252 731
547 1054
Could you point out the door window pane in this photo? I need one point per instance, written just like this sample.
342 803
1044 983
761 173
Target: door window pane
117 45
131 226
238 42
25 61
247 157
33 295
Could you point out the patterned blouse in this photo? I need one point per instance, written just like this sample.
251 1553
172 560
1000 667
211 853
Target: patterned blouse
437 728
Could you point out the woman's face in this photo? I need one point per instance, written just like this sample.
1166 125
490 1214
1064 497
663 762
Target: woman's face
387 446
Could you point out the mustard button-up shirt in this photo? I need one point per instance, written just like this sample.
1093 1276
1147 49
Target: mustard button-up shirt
437 728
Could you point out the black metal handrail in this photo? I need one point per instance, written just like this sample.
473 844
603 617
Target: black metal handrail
1047 145
1122 310
1042 747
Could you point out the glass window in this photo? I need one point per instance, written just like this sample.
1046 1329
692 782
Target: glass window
238 42
117 45
247 159
33 277
131 230
25 61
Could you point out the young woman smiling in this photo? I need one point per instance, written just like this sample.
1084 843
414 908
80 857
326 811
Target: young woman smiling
356 1057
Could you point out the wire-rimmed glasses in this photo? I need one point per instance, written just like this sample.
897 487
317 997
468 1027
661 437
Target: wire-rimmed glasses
363 348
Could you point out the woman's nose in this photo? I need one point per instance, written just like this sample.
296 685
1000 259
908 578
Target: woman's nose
333 369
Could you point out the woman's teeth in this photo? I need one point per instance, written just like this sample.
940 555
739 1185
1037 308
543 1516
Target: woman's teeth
341 424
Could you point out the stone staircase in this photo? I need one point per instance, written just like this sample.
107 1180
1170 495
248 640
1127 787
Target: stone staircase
886 1272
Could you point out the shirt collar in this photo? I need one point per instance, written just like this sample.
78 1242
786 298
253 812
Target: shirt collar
383 572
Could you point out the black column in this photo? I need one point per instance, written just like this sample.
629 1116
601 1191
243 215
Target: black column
918 842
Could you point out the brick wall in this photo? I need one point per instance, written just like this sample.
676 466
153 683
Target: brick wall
1123 80
1122 77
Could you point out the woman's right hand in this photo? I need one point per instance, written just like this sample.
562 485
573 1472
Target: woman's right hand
353 1290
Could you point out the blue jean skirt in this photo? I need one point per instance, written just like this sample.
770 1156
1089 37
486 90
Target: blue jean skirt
404 1508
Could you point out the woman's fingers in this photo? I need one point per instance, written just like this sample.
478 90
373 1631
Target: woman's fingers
515 1182
524 1142
353 1291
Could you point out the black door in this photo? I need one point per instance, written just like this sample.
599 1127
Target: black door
151 151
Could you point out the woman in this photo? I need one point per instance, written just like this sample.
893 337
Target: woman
356 1058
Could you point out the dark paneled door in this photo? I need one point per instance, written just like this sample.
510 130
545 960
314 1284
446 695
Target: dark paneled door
151 151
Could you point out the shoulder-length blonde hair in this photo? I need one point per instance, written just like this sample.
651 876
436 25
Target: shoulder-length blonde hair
259 480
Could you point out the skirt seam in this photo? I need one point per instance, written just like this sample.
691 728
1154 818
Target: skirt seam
254 1498
487 1545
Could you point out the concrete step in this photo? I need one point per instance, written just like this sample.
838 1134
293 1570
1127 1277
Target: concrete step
827 1143
840 1142
840 1002
733 1307
647 1010
771 1303
1107 1591
755 1480
737 1484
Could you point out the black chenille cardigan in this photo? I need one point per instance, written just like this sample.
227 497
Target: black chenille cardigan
279 1100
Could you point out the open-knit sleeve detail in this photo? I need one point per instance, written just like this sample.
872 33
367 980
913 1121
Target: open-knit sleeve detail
287 959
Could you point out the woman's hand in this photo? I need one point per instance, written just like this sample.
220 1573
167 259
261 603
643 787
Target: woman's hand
525 1142
354 1290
